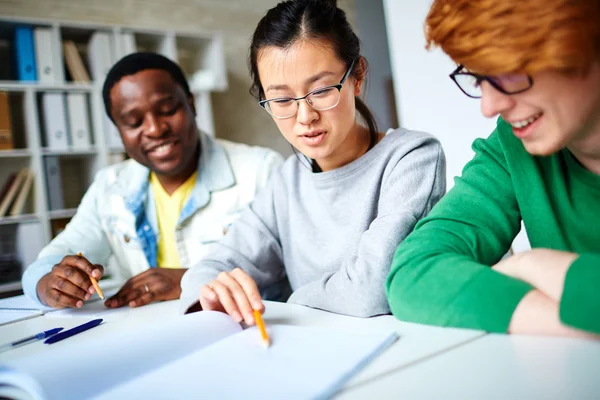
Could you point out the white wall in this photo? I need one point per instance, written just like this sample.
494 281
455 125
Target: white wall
426 98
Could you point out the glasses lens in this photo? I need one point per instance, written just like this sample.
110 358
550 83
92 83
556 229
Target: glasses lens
512 83
468 84
281 108
324 98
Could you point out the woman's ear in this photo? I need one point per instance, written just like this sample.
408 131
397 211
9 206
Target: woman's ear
359 74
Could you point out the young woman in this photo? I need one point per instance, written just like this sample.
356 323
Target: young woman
536 64
331 218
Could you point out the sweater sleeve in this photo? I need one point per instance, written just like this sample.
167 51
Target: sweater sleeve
252 244
357 288
441 273
580 302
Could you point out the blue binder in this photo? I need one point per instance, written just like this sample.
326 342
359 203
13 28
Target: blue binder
25 53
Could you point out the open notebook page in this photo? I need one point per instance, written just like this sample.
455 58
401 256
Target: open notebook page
302 363
88 368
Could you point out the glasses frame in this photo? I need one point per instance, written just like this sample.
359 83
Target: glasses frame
479 78
263 103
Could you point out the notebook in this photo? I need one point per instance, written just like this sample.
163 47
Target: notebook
200 355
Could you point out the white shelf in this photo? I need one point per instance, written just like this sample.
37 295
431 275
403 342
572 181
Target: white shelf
200 54
69 86
59 214
17 153
19 219
70 152
10 287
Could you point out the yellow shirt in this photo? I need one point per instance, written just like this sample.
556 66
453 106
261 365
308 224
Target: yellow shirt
168 209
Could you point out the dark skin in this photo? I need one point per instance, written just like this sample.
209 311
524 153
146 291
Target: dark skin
156 120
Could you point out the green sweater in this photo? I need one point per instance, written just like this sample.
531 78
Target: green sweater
441 273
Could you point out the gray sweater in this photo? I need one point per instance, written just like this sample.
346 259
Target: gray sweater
333 233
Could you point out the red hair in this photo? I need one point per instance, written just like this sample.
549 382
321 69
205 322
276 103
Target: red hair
516 36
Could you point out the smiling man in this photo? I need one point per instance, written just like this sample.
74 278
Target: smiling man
158 212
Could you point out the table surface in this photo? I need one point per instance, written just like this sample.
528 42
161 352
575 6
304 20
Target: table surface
425 362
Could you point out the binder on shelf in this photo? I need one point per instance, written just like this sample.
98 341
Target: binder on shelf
6 133
55 124
74 62
113 137
79 122
44 57
25 53
54 183
19 204
99 55
12 193
128 43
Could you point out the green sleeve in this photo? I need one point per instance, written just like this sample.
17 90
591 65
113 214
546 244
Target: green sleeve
580 302
441 273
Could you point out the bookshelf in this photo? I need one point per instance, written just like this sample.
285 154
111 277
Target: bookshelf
90 142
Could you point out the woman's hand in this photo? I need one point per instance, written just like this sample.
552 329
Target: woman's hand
234 293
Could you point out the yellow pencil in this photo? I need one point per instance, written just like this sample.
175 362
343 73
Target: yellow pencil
261 327
94 282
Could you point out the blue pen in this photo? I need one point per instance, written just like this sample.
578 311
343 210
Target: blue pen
30 339
73 331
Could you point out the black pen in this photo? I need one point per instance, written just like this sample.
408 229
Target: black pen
73 331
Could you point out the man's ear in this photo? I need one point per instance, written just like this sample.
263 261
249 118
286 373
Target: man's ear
192 104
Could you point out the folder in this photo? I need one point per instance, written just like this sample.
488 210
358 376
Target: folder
43 53
25 53
113 137
55 123
6 132
54 183
128 44
99 55
79 122
19 204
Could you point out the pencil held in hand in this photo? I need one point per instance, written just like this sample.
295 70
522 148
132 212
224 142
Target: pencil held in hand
94 282
261 327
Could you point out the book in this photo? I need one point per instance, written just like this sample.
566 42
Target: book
7 184
74 62
6 133
200 355
19 204
12 193
24 50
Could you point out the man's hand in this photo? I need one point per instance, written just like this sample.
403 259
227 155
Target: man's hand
68 284
151 285
234 293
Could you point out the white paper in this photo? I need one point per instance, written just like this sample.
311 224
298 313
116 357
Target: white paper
86 369
302 363
10 316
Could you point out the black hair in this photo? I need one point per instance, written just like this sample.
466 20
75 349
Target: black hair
291 20
132 64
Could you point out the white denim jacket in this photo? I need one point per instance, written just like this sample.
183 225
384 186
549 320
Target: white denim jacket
116 218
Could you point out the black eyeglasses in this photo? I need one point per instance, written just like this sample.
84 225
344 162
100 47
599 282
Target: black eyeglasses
321 99
470 83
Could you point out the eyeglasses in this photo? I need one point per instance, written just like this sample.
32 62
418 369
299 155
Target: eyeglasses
470 83
321 99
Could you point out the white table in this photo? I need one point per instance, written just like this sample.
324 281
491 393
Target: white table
425 363
416 341
496 367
